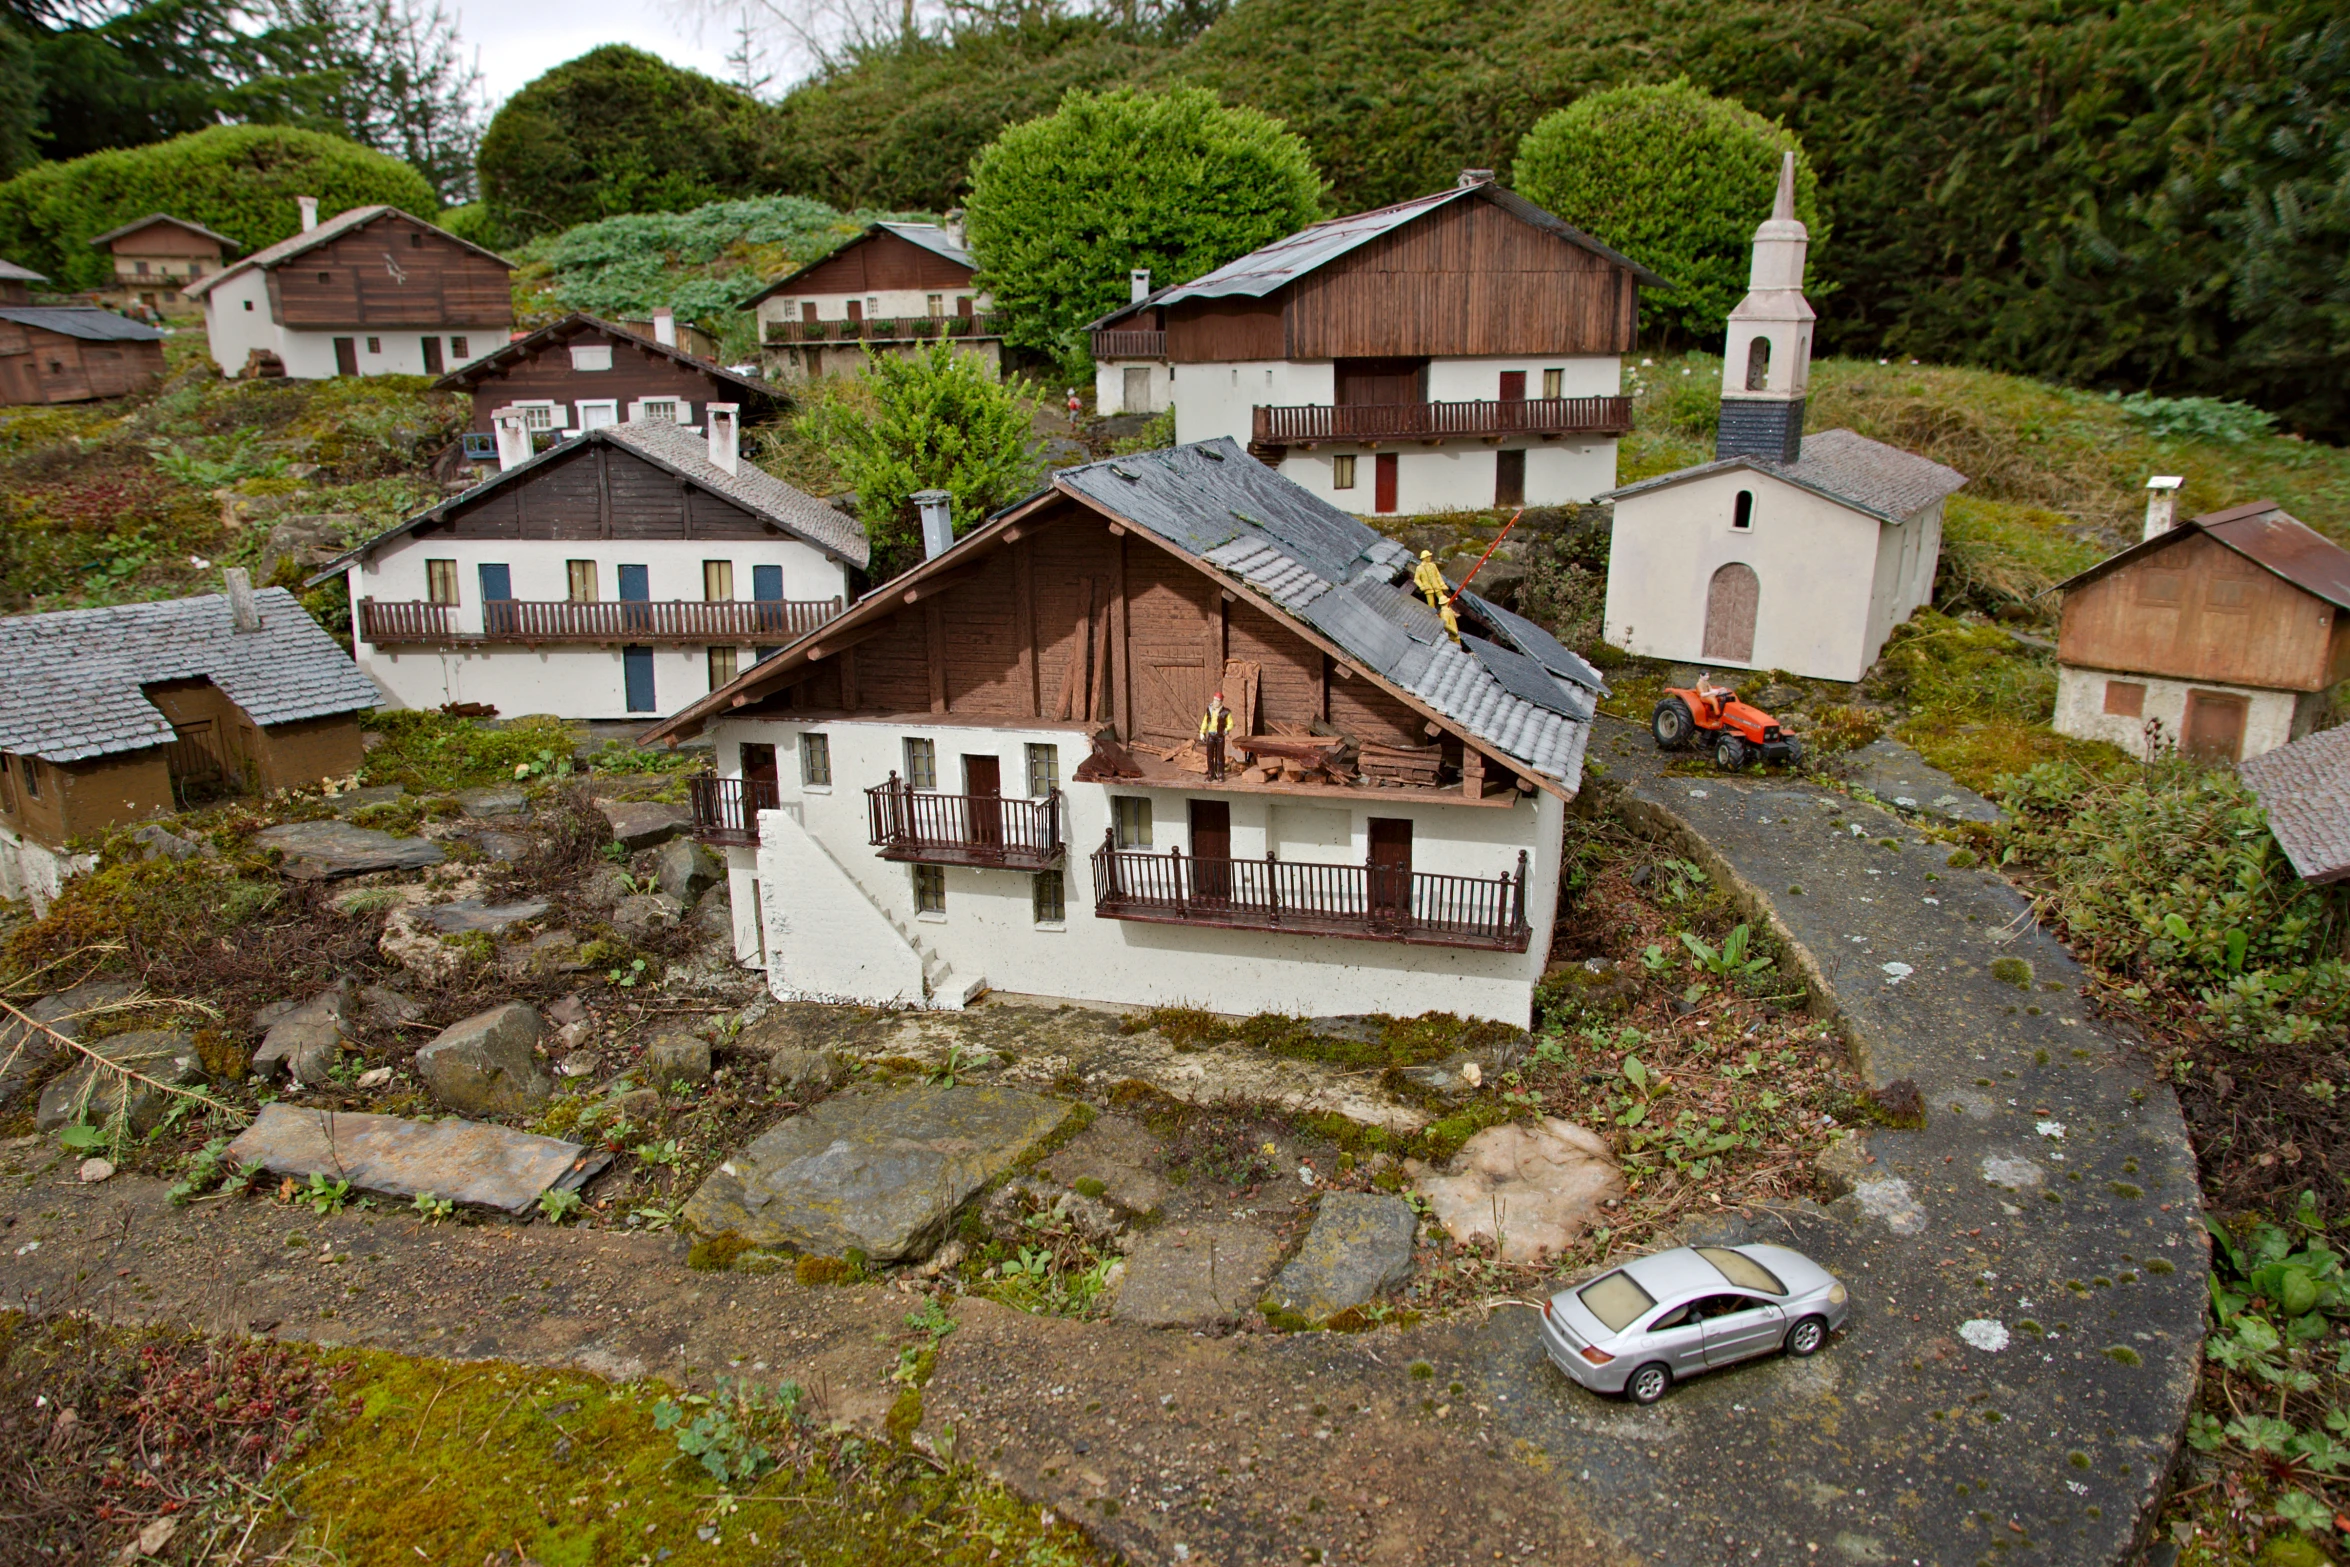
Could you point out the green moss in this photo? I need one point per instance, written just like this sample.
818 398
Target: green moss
717 1253
2125 1189
2123 1355
1421 1371
1089 1186
2012 971
1400 1041
474 944
1282 1320
825 1270
2160 1265
904 1417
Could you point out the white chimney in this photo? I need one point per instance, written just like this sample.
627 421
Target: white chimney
241 613
725 435
1138 284
665 326
1471 177
513 438
954 228
309 206
2162 503
938 521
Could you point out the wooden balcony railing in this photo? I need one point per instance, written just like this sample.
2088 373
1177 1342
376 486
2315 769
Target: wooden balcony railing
882 329
1117 344
739 622
726 810
1543 416
964 829
1357 902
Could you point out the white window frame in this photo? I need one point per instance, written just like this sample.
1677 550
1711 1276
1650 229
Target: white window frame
589 358
642 411
536 416
585 410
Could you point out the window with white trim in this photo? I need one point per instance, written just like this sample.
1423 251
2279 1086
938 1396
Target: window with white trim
1048 899
930 889
659 410
591 356
921 764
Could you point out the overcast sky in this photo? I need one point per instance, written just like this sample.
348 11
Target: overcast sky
518 41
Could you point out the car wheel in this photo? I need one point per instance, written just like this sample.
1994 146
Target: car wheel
1729 753
1806 1337
1672 723
1648 1384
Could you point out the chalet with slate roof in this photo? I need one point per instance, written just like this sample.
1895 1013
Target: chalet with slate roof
372 291
155 258
2221 636
1787 551
620 572
892 289
987 772
1458 350
73 353
111 716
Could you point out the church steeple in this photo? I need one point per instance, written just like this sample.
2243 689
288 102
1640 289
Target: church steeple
1766 360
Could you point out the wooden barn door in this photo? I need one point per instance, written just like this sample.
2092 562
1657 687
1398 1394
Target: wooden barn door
2215 727
1383 483
1173 645
1730 604
1391 867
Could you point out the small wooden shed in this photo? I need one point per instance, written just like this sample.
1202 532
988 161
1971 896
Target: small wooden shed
72 353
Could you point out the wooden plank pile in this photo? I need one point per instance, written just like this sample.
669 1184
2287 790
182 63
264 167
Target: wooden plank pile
1394 764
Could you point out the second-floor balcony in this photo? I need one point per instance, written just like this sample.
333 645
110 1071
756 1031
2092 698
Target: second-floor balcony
1115 343
726 810
878 329
983 830
1314 424
722 623
1357 902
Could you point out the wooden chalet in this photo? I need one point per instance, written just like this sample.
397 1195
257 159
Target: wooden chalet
893 288
155 257
74 353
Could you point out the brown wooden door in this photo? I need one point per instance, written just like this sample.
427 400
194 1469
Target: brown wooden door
1513 386
762 785
1730 604
1509 478
1391 867
432 356
1383 482
346 356
2215 727
983 781
1211 850
856 310
963 307
807 310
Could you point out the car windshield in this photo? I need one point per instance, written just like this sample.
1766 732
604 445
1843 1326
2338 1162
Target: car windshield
1615 1300
1742 1270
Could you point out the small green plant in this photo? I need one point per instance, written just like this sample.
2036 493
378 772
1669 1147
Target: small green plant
654 1217
559 1203
325 1196
665 1152
1653 959
434 1209
715 1433
1730 960
628 978
205 1170
543 762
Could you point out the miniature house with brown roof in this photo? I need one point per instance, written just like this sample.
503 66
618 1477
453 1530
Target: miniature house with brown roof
371 291
892 289
2220 636
155 258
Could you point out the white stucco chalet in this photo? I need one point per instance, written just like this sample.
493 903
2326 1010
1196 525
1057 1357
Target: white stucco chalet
986 773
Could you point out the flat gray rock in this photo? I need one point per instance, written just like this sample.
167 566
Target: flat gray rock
1360 1245
170 845
1901 778
480 1166
26 1052
91 1093
488 1064
1195 1278
646 914
882 1173
493 801
643 824
1119 1153
491 919
361 799
307 1040
329 850
502 848
686 870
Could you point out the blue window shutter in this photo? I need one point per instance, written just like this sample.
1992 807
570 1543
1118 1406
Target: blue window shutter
767 584
636 665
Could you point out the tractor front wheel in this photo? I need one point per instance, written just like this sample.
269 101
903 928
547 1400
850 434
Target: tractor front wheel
1673 724
1729 753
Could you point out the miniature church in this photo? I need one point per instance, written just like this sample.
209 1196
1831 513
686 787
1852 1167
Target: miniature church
1787 551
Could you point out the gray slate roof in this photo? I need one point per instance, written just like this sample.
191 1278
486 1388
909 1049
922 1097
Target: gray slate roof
152 218
11 272
683 453
69 681
1524 695
288 248
1884 481
83 321
2306 787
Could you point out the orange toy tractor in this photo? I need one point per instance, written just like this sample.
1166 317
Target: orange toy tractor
1713 715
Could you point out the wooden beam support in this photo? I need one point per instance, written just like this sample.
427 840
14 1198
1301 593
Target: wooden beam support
842 641
1118 654
1472 772
1024 624
932 587
934 625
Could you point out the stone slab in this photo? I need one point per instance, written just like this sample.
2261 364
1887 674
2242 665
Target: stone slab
644 824
881 1172
494 801
330 850
1118 1153
1197 1276
1903 779
25 1052
1359 1247
464 1161
491 919
91 1093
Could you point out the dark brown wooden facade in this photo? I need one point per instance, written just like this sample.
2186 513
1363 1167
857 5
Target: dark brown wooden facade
390 271
594 490
2197 610
539 368
872 263
41 366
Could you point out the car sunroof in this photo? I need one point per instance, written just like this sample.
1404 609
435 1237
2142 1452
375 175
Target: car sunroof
1742 1270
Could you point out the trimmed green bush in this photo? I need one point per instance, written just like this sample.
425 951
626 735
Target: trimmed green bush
238 179
1673 177
1063 207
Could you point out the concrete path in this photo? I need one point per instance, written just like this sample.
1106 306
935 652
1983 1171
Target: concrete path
2028 1270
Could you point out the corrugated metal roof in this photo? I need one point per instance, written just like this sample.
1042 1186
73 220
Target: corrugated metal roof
341 223
70 682
2306 788
86 322
1884 481
2262 532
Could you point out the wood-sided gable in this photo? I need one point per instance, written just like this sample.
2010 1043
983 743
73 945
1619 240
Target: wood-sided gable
542 371
2193 609
596 490
391 271
875 261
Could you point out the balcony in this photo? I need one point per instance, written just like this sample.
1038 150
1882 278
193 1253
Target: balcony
1355 902
1370 423
893 329
730 622
1129 345
982 830
726 810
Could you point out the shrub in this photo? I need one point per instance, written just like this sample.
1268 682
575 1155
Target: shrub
426 750
238 179
1063 207
1673 177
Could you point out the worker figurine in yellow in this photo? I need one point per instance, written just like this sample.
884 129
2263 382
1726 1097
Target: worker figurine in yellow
1430 581
1214 725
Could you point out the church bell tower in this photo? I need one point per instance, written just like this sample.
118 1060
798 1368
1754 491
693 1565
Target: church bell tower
1766 362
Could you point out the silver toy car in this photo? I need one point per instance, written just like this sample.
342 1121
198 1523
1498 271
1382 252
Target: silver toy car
1662 1318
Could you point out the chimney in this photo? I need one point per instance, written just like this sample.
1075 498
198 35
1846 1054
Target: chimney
309 206
2162 503
241 613
513 439
938 521
1138 284
725 435
665 326
954 228
1471 177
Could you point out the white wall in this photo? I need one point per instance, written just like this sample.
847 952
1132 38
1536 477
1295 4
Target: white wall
237 320
1214 400
2271 718
1458 477
884 304
1904 581
1109 386
1816 563
569 682
988 930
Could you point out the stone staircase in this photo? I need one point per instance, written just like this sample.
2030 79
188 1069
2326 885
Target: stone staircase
836 947
939 982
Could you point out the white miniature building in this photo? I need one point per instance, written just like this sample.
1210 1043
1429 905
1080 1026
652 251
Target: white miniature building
372 291
1790 552
621 572
1455 351
978 776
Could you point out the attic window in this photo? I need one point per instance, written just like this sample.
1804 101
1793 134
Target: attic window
591 356
415 240
324 277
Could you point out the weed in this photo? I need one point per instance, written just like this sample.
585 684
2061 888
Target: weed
434 1209
325 1196
1730 960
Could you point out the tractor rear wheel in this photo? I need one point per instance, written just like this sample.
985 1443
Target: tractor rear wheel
1673 724
1729 753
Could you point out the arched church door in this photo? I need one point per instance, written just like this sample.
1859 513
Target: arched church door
1730 603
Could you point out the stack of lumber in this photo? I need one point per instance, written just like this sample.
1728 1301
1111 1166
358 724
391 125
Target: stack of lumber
1299 758
1385 764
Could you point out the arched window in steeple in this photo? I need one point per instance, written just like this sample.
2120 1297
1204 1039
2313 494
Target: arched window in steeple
1758 365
